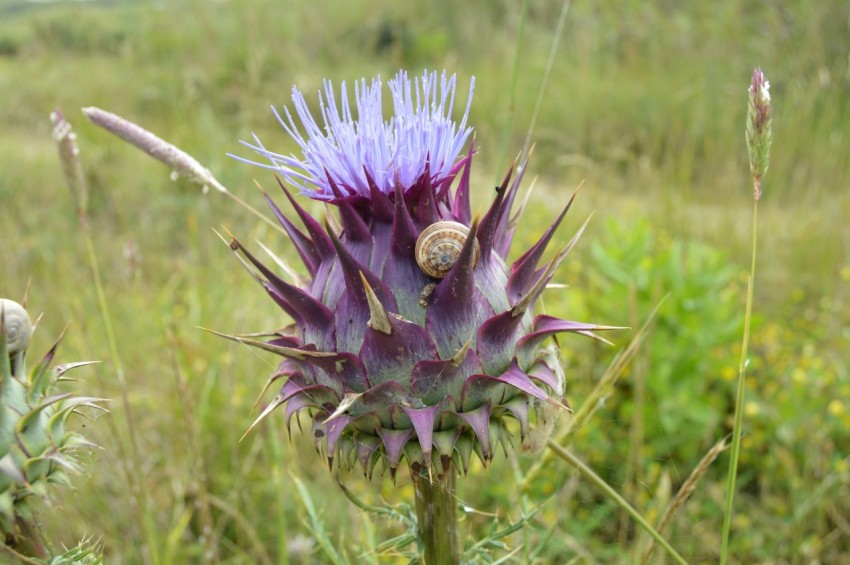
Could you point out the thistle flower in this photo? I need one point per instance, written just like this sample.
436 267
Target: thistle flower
413 340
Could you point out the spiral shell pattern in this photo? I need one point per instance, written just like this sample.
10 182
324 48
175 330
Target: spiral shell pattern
439 246
16 325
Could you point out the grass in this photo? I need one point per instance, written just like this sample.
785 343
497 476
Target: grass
645 102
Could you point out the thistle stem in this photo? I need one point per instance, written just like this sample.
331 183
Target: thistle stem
739 395
30 542
436 513
20 557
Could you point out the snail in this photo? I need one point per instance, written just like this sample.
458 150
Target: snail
439 246
16 326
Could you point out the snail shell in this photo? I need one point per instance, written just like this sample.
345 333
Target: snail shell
16 325
439 246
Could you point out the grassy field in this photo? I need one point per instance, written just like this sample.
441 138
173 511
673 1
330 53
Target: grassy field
645 103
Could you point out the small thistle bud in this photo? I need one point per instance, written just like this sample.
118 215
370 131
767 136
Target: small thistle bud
759 137
37 449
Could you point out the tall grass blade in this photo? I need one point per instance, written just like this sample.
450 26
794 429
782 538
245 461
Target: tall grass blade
550 61
511 113
759 139
687 489
317 528
740 393
609 491
72 166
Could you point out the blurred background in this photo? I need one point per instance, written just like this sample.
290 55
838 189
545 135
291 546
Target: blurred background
643 102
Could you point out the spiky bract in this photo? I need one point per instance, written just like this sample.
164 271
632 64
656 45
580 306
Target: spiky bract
393 364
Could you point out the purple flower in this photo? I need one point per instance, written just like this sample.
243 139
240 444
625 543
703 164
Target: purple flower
342 155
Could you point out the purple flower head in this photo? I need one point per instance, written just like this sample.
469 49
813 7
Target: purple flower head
343 153
412 338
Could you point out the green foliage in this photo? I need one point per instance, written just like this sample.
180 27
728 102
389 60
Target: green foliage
634 266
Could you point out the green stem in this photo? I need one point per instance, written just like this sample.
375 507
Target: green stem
29 541
135 485
600 483
511 110
436 514
20 557
279 480
254 211
550 61
739 399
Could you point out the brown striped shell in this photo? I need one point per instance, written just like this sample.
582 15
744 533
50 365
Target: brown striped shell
16 325
439 246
